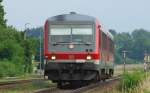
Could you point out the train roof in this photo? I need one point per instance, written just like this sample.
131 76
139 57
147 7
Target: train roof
108 34
77 18
72 17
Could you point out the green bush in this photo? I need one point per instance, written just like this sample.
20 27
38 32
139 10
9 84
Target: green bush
8 69
131 80
15 52
11 58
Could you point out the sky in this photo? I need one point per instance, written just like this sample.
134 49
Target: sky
120 15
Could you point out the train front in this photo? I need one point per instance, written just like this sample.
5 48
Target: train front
71 48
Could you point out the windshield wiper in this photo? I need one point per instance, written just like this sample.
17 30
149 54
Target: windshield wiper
83 42
75 42
86 43
58 43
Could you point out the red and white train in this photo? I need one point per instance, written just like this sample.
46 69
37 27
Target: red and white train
77 49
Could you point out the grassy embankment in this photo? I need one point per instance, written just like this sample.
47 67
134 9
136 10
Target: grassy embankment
134 80
21 77
29 87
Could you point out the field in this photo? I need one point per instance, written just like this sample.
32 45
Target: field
135 72
128 67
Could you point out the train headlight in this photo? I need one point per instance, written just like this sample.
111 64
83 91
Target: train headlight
71 46
53 57
88 57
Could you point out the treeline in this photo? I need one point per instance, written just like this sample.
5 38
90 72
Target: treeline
136 44
15 52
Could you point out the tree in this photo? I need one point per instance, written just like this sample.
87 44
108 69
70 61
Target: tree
113 32
2 13
136 43
29 45
15 52
141 43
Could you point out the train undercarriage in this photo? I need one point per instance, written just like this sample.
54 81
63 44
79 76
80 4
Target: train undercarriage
75 73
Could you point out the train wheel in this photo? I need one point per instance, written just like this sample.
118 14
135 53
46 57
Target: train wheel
111 72
75 84
97 78
85 83
104 80
59 84
103 75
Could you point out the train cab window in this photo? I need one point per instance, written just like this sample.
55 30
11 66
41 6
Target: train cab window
81 35
71 33
82 31
60 31
71 29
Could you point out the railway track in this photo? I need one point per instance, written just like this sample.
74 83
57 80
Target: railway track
78 90
13 84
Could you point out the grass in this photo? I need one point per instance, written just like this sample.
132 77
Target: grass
23 77
131 80
144 87
29 88
135 80
130 83
129 68
141 86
